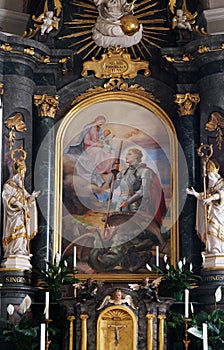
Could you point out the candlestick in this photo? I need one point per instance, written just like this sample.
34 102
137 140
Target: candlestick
205 336
74 256
42 336
186 304
157 255
186 340
47 304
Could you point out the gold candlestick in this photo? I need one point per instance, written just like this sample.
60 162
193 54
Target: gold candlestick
48 341
186 340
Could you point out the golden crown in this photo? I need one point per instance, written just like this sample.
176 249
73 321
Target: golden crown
212 166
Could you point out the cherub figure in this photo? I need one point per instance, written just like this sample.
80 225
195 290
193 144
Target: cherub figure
117 298
49 23
147 289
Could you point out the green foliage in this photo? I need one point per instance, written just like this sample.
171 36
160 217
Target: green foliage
23 335
215 324
175 321
179 277
55 276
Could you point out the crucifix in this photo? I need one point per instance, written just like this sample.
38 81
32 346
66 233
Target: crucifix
117 331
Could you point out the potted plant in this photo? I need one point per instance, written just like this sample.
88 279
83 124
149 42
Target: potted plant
179 277
215 328
55 276
176 326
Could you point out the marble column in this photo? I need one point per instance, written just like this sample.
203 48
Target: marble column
44 139
189 127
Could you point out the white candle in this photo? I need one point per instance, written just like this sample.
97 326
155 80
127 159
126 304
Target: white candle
157 255
186 304
74 256
205 336
47 304
42 336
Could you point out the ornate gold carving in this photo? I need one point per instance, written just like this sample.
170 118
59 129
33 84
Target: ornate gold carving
187 103
115 84
116 63
29 51
216 123
6 47
45 59
14 123
116 314
203 49
116 327
47 106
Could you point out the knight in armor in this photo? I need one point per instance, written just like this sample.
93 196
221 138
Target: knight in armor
141 206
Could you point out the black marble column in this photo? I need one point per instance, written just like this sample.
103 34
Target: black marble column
44 139
189 127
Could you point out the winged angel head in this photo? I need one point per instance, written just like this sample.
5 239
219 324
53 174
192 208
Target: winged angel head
117 298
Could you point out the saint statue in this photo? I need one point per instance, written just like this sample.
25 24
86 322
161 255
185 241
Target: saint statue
210 210
20 212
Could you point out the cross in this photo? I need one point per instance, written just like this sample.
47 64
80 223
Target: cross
117 333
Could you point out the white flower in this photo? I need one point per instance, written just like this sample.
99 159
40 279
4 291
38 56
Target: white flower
167 267
184 260
25 304
191 267
10 309
148 267
180 265
218 294
165 258
57 259
65 263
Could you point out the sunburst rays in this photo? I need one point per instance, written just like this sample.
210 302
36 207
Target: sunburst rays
147 12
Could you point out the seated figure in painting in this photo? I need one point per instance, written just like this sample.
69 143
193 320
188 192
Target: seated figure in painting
92 160
20 213
210 210
135 226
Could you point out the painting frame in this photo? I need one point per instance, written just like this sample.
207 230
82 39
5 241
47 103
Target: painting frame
76 116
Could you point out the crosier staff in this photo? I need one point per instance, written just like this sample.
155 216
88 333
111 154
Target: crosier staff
205 151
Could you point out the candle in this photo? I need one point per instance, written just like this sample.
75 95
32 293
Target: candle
42 336
47 303
205 336
157 255
186 304
74 256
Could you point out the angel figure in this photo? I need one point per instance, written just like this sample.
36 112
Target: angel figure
182 18
117 298
147 289
87 289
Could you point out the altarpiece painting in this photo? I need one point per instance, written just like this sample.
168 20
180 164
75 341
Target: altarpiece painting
94 145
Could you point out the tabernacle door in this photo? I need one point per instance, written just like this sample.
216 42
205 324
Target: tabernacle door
117 329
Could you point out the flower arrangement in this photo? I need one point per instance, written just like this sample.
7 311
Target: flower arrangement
56 275
179 277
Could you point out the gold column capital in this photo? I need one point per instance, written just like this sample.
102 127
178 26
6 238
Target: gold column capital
84 316
186 103
47 106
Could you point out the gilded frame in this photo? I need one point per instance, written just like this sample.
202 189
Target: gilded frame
76 114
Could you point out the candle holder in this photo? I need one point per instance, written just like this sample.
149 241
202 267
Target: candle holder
186 340
48 341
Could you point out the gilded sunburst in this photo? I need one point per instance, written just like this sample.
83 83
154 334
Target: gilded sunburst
148 13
